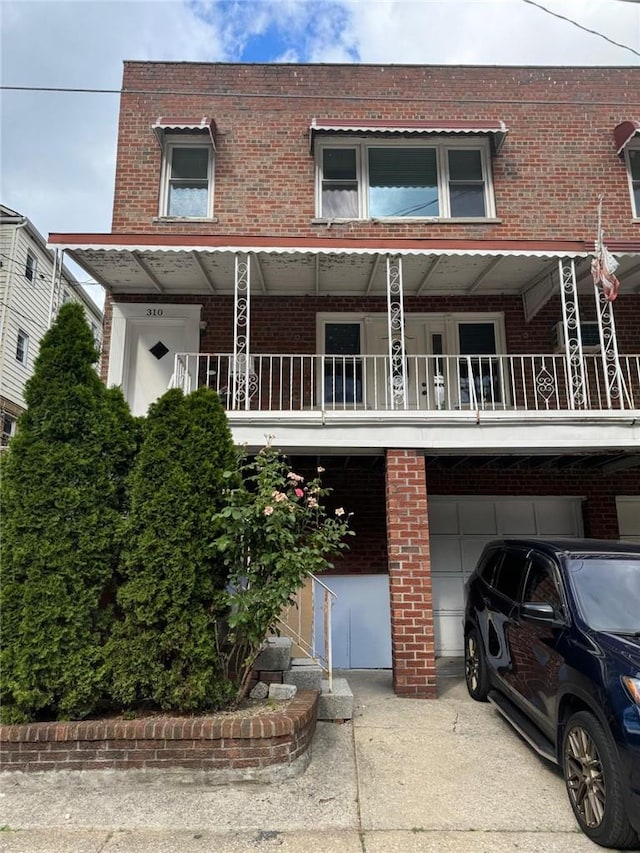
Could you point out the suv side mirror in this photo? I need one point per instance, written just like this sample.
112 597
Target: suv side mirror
539 612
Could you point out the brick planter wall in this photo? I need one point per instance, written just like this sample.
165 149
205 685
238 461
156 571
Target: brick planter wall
192 743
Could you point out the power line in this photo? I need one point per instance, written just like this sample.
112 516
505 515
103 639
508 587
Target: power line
317 97
580 26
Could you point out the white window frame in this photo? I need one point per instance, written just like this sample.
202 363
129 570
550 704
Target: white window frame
31 267
173 141
442 146
22 347
633 146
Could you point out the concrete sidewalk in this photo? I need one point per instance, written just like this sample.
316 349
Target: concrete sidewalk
405 775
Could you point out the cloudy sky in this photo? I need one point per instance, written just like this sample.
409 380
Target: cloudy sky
58 149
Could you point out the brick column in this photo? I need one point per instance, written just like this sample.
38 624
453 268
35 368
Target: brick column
412 642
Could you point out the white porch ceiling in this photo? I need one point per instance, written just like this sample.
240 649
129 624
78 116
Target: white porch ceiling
202 271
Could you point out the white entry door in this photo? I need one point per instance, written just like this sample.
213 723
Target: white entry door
460 527
145 339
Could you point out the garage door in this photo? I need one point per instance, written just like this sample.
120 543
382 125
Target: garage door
460 527
629 518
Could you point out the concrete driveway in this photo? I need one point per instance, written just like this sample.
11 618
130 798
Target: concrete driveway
406 775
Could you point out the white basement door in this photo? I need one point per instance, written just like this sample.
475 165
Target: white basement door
361 621
460 527
629 518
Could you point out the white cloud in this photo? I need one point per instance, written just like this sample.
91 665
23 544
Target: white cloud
58 150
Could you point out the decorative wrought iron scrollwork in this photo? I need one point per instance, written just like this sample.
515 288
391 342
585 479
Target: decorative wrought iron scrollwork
395 316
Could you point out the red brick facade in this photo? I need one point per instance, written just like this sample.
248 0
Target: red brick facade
412 640
558 157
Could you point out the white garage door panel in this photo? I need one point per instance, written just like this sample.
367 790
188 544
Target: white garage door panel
629 518
460 527
446 553
477 517
516 518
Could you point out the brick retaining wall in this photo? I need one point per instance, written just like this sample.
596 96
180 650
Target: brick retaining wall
193 743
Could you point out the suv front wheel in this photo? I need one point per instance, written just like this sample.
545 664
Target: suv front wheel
593 783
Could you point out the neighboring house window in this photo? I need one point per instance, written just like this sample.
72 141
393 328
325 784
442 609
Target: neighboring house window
22 347
66 297
633 165
8 428
371 181
187 190
31 267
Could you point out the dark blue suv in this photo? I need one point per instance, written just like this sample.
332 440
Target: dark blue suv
552 638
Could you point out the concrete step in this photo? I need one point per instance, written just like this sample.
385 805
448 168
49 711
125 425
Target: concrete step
337 705
275 655
305 673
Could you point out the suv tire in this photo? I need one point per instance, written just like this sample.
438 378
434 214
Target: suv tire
592 778
475 666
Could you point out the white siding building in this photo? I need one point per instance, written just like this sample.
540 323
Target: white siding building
26 307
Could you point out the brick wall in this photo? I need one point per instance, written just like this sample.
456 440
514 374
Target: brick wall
282 324
558 156
412 637
194 743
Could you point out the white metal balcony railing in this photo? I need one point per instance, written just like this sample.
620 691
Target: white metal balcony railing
296 383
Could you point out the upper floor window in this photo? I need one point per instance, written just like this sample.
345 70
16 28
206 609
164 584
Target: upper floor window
633 167
30 267
22 347
187 184
364 180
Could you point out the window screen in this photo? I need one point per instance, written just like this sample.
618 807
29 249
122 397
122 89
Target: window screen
466 184
339 183
189 182
403 182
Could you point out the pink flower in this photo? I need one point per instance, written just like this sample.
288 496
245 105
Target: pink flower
312 502
296 478
279 497
339 511
268 510
299 493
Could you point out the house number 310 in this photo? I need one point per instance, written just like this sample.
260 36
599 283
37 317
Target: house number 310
155 312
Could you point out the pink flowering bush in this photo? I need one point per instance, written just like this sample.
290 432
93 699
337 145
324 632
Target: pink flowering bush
273 532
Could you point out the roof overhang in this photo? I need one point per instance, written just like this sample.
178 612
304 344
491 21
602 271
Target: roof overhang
624 132
184 126
495 130
181 264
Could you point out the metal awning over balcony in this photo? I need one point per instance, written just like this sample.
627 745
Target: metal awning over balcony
178 264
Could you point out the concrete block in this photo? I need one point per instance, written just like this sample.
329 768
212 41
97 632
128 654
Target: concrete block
337 705
275 655
306 676
260 691
282 692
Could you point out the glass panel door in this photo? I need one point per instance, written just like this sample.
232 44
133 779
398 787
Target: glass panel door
479 375
342 380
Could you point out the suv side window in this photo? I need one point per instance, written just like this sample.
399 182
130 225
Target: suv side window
541 585
508 579
487 568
